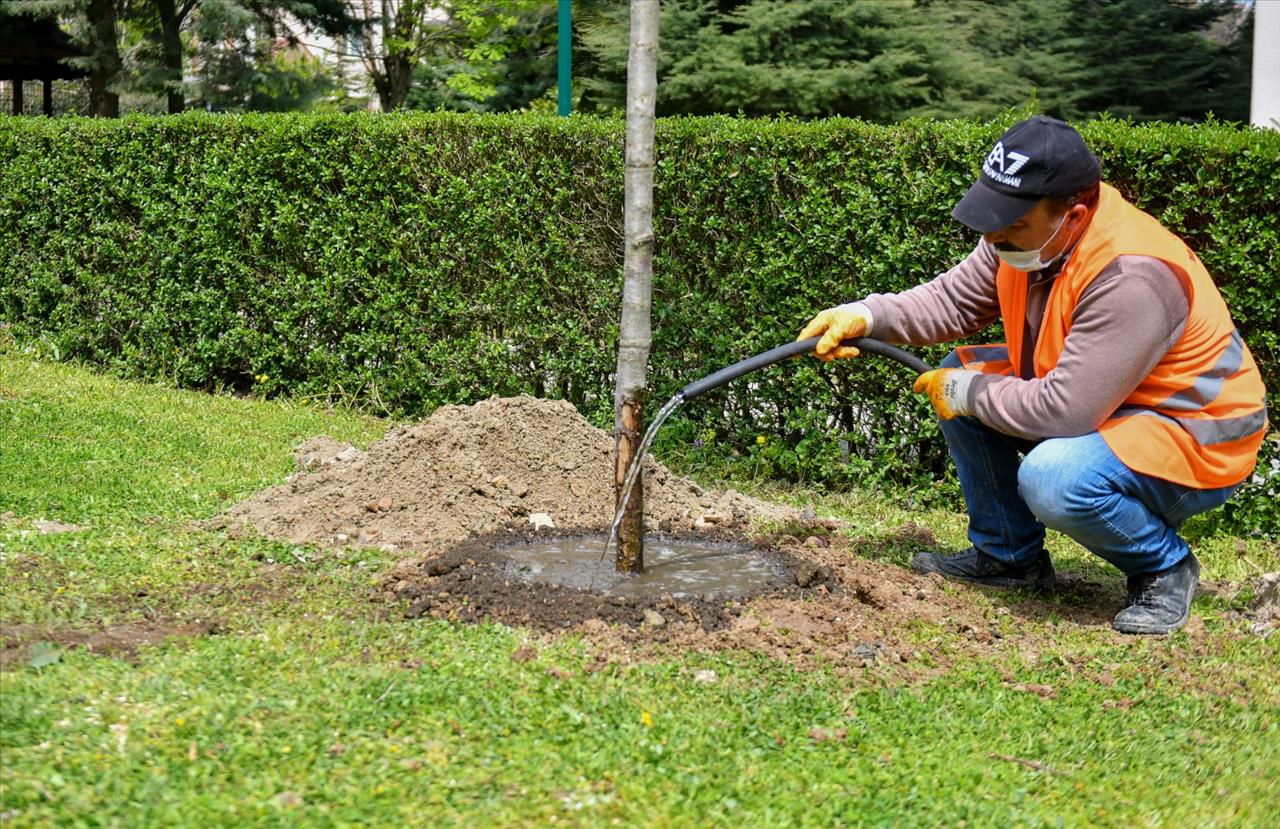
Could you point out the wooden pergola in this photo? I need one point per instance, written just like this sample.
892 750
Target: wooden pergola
34 50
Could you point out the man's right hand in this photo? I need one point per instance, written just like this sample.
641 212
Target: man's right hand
843 322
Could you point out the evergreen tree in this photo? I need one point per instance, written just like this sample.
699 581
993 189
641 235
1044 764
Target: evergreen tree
804 57
247 53
1145 59
252 70
996 54
1154 59
891 59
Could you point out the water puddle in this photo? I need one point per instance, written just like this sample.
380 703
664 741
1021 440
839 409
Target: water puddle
681 567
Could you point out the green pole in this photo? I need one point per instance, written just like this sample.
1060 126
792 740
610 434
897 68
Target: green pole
564 37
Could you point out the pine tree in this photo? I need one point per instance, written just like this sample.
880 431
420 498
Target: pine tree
891 59
1154 59
804 57
1145 59
992 55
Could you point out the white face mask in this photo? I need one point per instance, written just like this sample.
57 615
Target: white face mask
1029 260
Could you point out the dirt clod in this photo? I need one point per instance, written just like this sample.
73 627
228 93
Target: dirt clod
1265 608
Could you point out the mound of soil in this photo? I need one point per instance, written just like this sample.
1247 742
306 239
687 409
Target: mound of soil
474 470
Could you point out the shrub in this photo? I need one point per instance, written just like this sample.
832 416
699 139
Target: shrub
413 260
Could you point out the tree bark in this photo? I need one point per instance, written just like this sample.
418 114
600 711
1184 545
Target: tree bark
171 17
398 79
391 73
635 332
104 53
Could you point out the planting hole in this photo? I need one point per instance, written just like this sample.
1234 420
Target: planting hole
680 567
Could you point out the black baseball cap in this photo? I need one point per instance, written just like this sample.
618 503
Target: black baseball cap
1038 157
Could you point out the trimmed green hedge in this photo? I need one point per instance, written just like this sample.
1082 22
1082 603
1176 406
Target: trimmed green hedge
420 259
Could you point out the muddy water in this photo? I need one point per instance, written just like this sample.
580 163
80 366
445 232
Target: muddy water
680 567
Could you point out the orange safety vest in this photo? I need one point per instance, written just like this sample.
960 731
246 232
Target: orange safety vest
1199 417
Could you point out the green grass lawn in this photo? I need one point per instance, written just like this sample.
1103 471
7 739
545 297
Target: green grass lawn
311 705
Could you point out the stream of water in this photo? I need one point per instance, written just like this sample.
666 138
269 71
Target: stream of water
637 463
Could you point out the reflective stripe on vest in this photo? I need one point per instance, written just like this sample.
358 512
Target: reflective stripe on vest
1206 392
1208 432
989 359
1208 385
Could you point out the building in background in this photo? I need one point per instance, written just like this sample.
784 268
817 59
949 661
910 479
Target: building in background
35 78
1264 100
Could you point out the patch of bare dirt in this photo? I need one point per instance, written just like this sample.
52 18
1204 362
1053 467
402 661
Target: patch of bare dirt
1264 610
837 606
451 490
43 526
122 640
468 471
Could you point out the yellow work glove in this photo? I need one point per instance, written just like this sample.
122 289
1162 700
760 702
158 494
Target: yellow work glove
843 322
948 390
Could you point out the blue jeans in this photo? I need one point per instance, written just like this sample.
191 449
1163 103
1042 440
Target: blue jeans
1076 486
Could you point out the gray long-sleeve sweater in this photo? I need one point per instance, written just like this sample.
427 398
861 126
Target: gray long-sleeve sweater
1128 317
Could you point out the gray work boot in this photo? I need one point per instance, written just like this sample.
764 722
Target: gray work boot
1160 602
973 565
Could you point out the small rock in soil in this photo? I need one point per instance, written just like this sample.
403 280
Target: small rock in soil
654 619
866 652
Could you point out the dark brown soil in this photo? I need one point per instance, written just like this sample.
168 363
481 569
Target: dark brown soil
122 640
470 582
839 606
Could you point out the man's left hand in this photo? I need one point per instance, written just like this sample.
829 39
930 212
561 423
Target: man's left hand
948 390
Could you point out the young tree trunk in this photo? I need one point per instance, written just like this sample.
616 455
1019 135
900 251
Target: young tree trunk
104 55
634 335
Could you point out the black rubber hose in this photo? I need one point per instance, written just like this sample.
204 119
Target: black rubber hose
795 349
